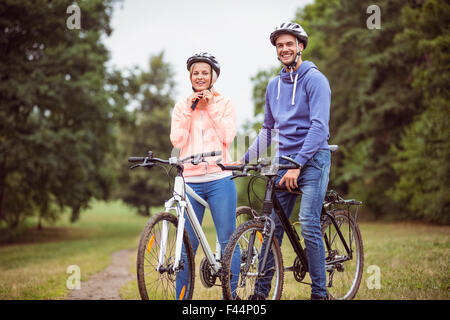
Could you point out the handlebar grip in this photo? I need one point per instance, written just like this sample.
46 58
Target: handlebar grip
136 159
239 168
233 167
287 166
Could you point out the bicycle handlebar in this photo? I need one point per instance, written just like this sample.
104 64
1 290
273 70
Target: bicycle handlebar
150 160
261 165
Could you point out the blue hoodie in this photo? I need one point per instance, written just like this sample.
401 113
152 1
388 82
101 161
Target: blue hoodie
298 106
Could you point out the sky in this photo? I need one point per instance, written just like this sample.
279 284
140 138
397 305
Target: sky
236 32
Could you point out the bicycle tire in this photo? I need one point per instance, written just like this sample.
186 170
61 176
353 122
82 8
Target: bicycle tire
347 276
244 214
244 293
147 276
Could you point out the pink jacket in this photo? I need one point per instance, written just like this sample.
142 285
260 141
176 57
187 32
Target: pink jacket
210 129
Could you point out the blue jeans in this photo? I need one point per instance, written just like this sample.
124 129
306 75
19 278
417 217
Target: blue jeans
221 197
313 182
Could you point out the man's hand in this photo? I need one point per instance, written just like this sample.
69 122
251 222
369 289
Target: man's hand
290 178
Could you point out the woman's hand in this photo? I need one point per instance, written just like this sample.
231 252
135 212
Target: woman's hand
207 95
195 95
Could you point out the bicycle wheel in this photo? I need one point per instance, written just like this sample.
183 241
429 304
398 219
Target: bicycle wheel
344 273
248 278
244 214
160 285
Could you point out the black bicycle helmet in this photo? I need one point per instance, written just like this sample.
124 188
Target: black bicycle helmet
204 57
291 28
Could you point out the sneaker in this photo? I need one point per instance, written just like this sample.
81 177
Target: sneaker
319 297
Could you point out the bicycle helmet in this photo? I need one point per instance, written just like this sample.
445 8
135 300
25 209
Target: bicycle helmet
204 57
292 28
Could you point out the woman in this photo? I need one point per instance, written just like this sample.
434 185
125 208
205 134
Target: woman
204 122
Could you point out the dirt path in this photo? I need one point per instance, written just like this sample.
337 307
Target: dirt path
106 284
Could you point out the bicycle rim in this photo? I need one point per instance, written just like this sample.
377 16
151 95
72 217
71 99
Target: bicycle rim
247 280
156 285
343 278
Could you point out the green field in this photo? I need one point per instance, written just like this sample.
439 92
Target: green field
36 269
412 258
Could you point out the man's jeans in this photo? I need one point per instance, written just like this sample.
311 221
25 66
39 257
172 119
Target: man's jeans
221 197
313 182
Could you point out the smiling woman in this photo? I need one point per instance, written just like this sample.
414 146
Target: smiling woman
210 127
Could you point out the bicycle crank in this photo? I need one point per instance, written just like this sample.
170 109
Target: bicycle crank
298 270
207 274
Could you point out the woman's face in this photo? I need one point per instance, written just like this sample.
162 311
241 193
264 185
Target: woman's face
201 76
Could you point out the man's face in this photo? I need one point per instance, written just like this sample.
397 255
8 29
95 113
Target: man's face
286 45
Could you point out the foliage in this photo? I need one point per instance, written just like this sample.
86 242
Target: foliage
423 153
56 113
149 131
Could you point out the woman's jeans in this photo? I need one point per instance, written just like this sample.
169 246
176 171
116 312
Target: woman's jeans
221 197
313 183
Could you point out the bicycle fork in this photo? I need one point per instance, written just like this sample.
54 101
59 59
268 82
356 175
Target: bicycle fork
268 224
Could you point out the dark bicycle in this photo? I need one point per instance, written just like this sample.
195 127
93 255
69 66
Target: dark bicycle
342 239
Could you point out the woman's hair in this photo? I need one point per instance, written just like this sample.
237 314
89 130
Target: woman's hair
214 73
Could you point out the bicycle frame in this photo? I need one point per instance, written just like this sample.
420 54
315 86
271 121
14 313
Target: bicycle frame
271 201
180 204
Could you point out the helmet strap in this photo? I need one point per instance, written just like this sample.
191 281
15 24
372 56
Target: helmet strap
294 63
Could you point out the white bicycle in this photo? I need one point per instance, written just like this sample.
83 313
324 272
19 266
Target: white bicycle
159 252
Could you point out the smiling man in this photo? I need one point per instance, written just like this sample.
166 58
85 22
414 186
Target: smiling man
298 108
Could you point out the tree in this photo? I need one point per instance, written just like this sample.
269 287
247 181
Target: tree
421 159
149 131
56 115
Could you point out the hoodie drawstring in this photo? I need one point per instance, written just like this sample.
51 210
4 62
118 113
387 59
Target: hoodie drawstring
293 91
279 81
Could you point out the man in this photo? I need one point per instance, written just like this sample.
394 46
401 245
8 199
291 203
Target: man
298 109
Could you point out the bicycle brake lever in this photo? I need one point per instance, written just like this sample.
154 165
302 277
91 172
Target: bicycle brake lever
148 165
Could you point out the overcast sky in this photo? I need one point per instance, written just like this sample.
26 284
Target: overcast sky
236 32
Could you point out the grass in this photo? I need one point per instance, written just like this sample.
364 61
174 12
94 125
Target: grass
35 267
413 258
